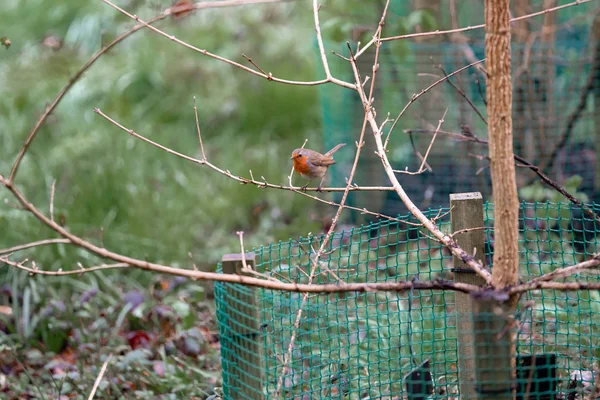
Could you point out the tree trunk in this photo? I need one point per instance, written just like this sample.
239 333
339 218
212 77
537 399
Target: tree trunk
502 167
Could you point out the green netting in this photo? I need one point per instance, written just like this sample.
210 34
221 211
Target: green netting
363 345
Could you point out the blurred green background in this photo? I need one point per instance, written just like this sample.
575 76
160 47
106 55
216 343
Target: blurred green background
150 204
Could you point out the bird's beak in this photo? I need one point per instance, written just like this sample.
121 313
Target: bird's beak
292 157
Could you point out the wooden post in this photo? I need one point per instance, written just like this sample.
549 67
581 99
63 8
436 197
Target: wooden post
466 212
242 344
493 330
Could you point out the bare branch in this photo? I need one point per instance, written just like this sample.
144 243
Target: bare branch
566 271
198 130
261 184
95 57
33 244
421 93
320 39
525 163
99 377
412 208
470 28
226 60
424 166
359 145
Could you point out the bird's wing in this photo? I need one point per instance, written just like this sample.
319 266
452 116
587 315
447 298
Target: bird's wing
324 161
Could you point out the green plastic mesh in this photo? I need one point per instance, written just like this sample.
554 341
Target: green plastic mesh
363 345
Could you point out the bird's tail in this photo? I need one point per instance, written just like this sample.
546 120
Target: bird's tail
336 148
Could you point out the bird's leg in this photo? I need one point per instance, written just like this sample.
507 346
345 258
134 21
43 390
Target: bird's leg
303 188
320 184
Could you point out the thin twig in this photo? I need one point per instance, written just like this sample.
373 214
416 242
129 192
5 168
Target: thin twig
269 77
446 240
423 168
292 171
36 271
247 269
566 271
33 244
240 179
244 264
99 377
525 163
52 188
256 65
61 94
315 261
422 92
467 230
464 96
320 39
470 28
198 130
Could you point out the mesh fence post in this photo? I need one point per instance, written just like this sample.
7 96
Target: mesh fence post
493 330
244 358
466 212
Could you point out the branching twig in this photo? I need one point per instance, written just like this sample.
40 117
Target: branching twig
566 271
470 28
359 145
525 163
261 184
424 164
33 244
412 208
268 77
421 93
34 270
95 57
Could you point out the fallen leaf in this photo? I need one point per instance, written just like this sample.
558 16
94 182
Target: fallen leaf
6 310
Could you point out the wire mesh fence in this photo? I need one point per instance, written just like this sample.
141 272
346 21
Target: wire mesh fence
556 92
385 344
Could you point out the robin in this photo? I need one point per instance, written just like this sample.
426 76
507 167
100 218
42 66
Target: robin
312 165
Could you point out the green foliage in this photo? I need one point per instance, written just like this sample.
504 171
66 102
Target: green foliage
62 330
538 192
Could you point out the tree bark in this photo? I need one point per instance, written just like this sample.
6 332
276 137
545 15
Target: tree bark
502 167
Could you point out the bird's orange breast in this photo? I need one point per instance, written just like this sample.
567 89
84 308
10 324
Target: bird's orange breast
301 166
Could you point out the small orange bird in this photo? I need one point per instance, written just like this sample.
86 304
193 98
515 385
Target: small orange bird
312 165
